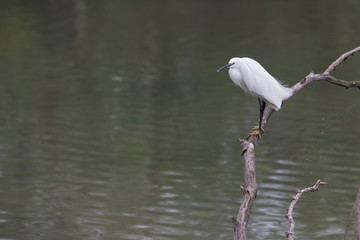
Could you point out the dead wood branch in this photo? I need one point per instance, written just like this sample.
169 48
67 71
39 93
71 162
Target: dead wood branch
250 188
290 233
325 76
341 59
249 192
357 216
348 222
356 212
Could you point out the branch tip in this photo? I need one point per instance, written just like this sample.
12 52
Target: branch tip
341 59
288 215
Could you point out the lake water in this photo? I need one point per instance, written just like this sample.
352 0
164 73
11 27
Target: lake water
114 123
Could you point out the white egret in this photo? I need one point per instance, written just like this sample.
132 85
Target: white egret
254 79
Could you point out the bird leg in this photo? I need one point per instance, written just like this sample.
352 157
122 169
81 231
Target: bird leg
255 130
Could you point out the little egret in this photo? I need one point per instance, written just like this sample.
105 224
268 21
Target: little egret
254 79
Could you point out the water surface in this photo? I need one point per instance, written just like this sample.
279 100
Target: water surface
115 125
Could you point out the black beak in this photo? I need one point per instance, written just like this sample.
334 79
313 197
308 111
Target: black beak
226 66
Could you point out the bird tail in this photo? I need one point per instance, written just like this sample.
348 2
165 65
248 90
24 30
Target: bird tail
285 94
282 93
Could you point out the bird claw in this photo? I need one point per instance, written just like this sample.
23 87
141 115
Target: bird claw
255 131
256 128
252 133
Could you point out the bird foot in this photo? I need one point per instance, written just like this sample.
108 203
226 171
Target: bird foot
255 131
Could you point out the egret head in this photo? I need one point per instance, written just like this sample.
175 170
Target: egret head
232 64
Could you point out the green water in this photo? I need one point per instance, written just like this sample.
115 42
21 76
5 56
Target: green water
115 125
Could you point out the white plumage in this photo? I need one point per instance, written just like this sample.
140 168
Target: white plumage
254 79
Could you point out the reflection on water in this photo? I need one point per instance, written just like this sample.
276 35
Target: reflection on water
115 125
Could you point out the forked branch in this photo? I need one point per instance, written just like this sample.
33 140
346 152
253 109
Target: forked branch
290 233
250 188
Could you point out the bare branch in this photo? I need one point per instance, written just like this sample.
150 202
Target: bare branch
325 76
249 192
341 59
348 222
310 78
357 216
250 189
290 233
356 212
341 83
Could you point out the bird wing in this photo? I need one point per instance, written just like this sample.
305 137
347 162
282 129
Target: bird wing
260 83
